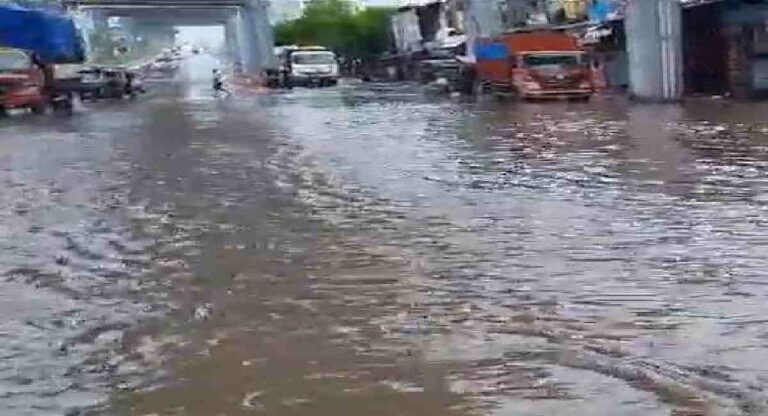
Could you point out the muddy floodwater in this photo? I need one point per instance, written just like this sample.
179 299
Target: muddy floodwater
373 250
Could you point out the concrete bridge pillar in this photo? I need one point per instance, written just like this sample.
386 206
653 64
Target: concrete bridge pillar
231 40
255 37
99 18
655 48
242 53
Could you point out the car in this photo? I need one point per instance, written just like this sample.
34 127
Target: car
92 83
116 82
134 85
165 64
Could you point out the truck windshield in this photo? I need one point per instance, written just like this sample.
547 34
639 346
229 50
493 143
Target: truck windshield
11 60
548 60
314 58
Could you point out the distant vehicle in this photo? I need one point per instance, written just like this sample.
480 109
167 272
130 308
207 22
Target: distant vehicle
534 64
439 59
309 66
165 64
134 86
69 79
116 83
92 83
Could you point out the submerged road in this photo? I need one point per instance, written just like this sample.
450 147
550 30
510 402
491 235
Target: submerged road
370 250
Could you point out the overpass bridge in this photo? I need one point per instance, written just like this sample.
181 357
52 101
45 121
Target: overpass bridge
248 33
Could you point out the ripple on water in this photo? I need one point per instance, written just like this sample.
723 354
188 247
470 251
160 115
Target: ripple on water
632 242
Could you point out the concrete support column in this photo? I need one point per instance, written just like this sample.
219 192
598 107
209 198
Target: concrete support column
231 40
256 42
242 53
655 48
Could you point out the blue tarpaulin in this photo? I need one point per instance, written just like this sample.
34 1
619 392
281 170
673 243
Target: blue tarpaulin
52 37
491 50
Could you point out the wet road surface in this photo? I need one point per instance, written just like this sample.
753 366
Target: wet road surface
370 250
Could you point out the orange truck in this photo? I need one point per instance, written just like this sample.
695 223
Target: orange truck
534 64
22 81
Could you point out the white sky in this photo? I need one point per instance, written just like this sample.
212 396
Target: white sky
213 36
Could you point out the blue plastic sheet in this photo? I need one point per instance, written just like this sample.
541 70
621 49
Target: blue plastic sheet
52 37
491 51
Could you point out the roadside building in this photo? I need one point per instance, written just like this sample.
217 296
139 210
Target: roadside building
606 43
711 47
726 48
426 35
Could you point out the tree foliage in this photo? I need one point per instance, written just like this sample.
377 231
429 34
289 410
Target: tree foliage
337 25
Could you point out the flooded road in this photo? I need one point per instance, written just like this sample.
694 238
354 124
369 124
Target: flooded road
370 250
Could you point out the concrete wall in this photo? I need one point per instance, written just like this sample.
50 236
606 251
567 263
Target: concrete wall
655 49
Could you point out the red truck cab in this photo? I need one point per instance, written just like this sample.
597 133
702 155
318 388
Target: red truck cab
535 64
22 81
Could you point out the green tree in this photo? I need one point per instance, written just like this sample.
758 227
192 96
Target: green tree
336 25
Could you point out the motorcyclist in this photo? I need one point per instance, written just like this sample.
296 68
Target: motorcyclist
218 83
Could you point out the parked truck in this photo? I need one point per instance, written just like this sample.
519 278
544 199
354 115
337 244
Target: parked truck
32 43
312 66
534 64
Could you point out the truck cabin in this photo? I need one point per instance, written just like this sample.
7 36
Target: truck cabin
16 61
19 67
313 57
552 61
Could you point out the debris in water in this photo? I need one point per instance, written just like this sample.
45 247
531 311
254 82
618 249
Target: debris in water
249 401
203 312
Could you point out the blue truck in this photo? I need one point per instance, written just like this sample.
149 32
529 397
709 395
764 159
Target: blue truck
32 43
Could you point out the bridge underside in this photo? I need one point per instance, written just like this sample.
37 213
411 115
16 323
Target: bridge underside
175 16
248 32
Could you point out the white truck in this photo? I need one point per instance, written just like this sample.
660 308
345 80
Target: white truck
308 66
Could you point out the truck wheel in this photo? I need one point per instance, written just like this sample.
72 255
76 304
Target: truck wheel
38 108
